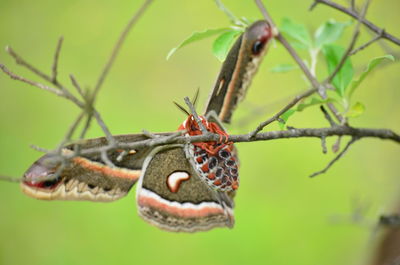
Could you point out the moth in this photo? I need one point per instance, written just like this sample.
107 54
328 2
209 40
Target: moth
182 188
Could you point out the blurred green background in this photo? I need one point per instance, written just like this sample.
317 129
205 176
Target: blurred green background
282 216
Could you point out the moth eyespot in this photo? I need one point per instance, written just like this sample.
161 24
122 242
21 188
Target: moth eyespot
175 179
257 47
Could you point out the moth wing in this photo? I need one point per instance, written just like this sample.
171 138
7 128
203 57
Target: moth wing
223 93
238 69
171 196
86 177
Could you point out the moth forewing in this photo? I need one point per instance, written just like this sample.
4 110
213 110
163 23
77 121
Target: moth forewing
238 69
87 177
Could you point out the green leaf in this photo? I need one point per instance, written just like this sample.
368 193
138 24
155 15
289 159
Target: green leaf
196 36
329 32
284 117
356 110
297 32
371 65
333 54
223 43
283 68
312 102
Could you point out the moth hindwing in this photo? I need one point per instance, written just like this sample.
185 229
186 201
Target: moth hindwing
171 195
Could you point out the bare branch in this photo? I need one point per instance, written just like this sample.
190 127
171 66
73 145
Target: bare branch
323 144
283 110
32 83
103 126
314 82
106 160
118 46
70 132
77 86
362 47
355 15
354 38
299 61
336 145
340 155
262 136
10 179
19 60
353 5
328 117
55 62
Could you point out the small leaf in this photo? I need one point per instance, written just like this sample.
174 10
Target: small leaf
333 54
223 43
196 36
284 117
329 32
356 110
314 101
371 65
297 32
283 68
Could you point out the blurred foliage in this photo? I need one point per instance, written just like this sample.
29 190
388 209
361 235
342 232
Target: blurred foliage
282 217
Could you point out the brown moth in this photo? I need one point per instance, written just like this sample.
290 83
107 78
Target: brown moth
175 190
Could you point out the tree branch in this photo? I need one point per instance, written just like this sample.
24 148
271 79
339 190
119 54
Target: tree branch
118 46
283 110
314 82
354 38
340 155
355 15
55 62
163 139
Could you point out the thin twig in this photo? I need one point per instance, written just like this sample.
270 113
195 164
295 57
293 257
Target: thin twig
149 134
10 179
328 117
283 110
354 38
118 46
62 91
336 145
32 83
70 132
76 85
105 129
323 144
55 62
288 47
355 15
92 112
231 16
353 5
314 82
362 47
341 154
106 159
19 60
39 149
